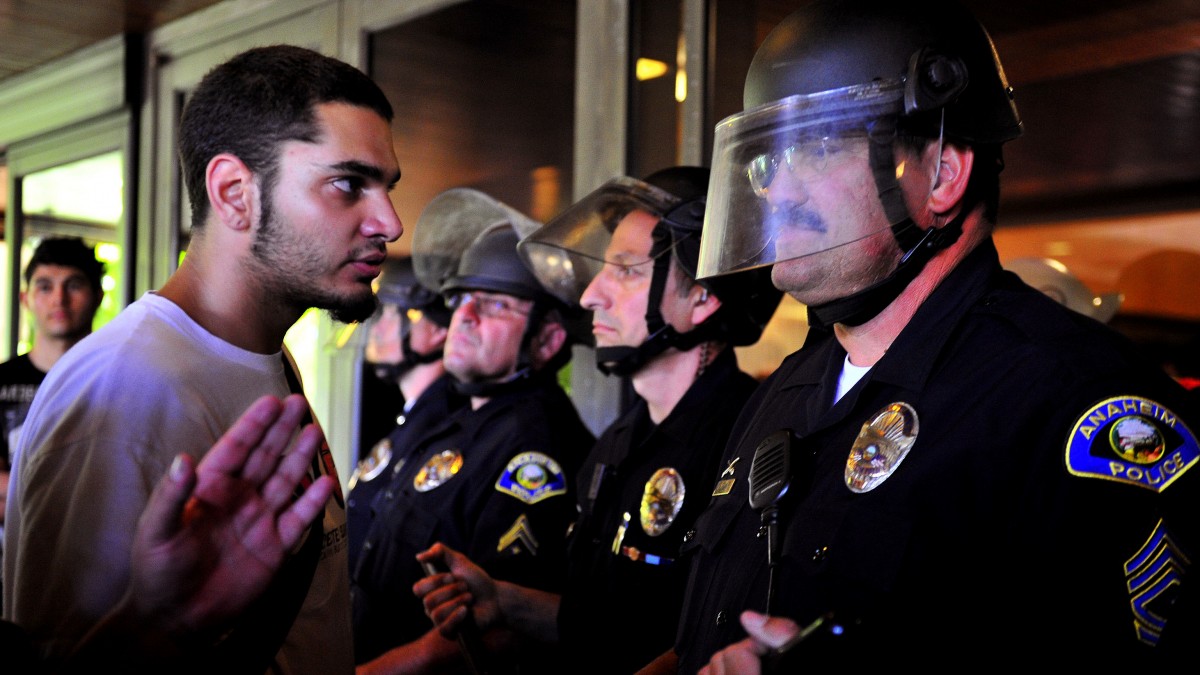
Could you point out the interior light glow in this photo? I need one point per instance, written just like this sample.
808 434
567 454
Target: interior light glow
648 69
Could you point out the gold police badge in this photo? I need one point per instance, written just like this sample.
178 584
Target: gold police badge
661 500
882 444
373 464
438 469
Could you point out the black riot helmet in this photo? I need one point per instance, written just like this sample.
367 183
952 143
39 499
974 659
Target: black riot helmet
398 285
943 56
403 300
570 251
467 241
491 263
837 72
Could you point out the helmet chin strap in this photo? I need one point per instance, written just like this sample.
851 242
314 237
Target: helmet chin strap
522 379
919 245
624 360
525 375
412 359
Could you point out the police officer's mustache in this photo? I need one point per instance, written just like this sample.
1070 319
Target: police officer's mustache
795 216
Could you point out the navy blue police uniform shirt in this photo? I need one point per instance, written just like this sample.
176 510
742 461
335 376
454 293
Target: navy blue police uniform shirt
1009 481
496 484
640 490
375 471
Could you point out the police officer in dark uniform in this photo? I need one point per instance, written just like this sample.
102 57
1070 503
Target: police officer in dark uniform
954 469
646 479
404 347
388 354
627 252
495 479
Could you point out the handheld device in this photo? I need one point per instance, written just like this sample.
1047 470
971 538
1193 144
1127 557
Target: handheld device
470 639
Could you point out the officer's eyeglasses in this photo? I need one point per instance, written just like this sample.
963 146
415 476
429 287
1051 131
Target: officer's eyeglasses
803 160
487 305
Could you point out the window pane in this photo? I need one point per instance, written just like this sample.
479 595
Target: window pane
484 96
84 199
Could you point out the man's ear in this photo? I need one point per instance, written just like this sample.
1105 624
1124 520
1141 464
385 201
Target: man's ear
231 191
24 299
704 304
953 172
547 342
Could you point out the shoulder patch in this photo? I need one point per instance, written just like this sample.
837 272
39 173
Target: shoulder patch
1130 439
532 477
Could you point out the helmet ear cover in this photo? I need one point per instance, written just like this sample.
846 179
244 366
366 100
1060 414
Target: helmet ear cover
934 80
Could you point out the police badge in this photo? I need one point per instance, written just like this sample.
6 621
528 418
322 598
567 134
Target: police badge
373 464
438 469
661 500
882 444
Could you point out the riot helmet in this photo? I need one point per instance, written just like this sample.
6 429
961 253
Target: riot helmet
491 263
398 285
403 301
467 241
1052 277
569 252
449 224
840 81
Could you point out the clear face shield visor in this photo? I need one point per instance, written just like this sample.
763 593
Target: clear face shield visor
450 224
773 164
570 250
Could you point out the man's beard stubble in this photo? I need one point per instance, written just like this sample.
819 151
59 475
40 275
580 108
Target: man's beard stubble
352 310
284 263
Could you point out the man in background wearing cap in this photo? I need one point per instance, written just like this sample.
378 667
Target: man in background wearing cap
496 479
404 347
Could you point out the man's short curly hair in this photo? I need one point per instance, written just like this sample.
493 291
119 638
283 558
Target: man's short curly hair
252 103
67 252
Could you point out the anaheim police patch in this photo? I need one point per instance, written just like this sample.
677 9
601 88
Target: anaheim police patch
532 477
1132 440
